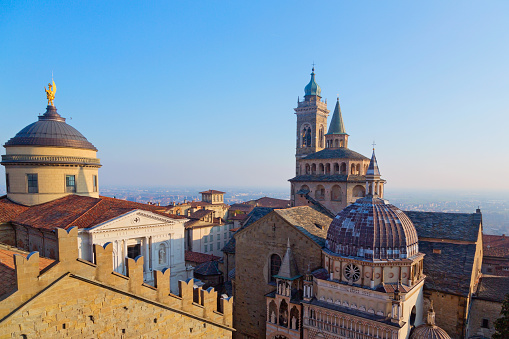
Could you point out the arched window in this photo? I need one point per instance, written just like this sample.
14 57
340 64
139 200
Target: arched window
306 136
283 314
272 312
358 169
320 192
336 168
336 143
294 318
304 188
322 169
275 264
341 143
327 169
313 169
352 169
359 191
343 168
308 169
335 193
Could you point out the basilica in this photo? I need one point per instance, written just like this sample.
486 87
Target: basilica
343 262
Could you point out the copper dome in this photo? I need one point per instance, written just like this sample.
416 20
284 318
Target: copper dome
50 130
371 228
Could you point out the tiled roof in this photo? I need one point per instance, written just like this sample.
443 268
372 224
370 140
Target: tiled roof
310 222
496 245
243 207
452 226
493 288
200 214
84 212
7 267
321 273
10 210
235 229
208 268
338 153
450 270
255 214
329 178
199 258
270 202
240 217
212 192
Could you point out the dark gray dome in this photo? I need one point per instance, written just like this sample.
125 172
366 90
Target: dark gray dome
50 130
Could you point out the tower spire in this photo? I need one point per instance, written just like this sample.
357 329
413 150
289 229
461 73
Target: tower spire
312 88
374 184
336 123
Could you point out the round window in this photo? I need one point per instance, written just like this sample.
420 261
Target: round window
352 272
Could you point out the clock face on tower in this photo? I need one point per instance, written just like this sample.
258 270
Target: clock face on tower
352 272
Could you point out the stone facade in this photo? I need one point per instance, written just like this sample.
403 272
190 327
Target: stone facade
78 298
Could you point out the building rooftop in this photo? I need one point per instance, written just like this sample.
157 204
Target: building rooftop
200 258
269 202
337 153
80 211
329 177
207 268
212 192
495 245
9 210
492 288
451 226
307 220
8 270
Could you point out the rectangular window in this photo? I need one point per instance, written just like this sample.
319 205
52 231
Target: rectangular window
485 323
211 237
7 183
94 182
133 251
205 248
204 238
437 251
70 184
33 184
218 246
226 235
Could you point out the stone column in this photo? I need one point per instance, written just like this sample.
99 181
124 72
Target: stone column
147 255
124 255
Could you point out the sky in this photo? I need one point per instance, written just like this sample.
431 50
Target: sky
201 93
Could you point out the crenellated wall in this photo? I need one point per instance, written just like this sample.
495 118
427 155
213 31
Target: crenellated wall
74 297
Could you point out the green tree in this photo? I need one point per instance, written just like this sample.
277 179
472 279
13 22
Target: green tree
502 323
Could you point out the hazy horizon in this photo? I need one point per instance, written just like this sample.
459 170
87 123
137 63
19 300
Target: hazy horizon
203 93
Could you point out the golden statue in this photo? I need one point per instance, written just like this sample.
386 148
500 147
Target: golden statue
50 93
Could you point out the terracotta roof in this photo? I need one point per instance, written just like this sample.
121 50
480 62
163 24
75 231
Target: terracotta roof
270 202
493 288
200 214
84 212
199 258
207 268
235 229
8 270
212 192
240 217
10 210
496 245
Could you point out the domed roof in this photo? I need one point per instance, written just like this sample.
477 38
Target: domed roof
371 228
429 330
50 130
312 88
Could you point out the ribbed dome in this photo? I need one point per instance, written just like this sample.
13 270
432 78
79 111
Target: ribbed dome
371 228
312 88
50 130
426 331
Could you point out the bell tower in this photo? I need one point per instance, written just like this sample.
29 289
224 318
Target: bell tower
312 116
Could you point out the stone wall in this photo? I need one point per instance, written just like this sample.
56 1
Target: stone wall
76 298
483 309
254 247
7 235
450 312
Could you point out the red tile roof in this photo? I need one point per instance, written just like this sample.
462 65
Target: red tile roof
10 210
7 267
240 217
84 212
496 245
199 258
270 202
200 214
212 192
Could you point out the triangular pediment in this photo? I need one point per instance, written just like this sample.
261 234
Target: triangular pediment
135 219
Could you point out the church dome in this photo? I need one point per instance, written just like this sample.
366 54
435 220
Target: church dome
373 229
50 130
429 330
312 88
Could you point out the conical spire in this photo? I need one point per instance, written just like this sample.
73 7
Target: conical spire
336 123
312 88
373 166
288 268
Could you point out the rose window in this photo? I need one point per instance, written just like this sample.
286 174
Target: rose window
352 272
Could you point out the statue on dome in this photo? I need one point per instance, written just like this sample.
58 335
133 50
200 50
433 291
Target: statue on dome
50 93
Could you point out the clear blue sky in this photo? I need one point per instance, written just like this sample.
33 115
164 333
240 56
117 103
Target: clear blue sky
201 93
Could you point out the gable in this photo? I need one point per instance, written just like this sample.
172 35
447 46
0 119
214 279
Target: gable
133 219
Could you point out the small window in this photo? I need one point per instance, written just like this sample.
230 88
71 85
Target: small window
204 238
225 235
211 237
70 184
437 251
218 246
7 183
32 183
205 248
133 251
94 183
485 323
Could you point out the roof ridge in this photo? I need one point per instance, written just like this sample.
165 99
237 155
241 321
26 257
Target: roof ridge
86 212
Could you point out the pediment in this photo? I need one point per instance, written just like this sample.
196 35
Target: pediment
135 219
